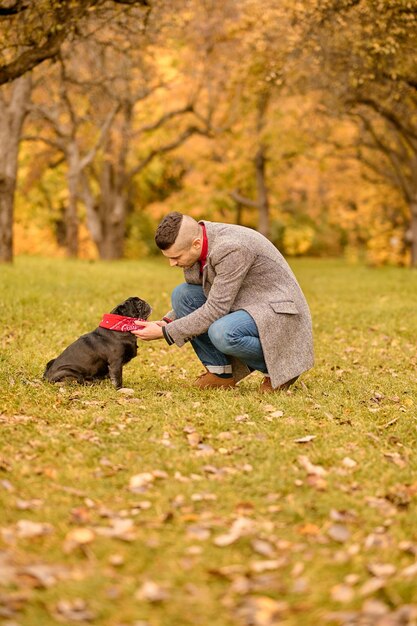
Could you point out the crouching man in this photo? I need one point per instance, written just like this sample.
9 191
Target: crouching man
241 306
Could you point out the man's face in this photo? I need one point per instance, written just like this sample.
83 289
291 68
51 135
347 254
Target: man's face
183 257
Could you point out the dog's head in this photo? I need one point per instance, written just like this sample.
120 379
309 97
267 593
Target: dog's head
133 307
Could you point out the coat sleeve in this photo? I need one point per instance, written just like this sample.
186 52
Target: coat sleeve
230 266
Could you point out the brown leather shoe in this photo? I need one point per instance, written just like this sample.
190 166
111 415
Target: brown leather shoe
208 380
266 386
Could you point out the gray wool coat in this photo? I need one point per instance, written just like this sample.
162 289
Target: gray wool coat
245 271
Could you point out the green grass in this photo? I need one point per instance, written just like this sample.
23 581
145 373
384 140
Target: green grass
68 453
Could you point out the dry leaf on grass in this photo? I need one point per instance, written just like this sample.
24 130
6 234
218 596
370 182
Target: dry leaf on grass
265 548
381 570
261 611
120 528
26 529
310 468
305 439
78 538
12 603
371 586
268 565
342 593
194 439
42 575
141 482
339 533
76 610
241 526
152 592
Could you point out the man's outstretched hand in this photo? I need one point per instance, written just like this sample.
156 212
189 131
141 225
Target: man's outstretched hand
149 331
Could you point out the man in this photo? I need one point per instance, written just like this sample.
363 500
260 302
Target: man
241 306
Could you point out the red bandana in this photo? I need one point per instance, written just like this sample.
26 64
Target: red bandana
204 249
120 322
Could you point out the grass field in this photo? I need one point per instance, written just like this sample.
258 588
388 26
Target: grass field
173 507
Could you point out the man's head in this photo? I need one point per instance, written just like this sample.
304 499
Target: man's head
180 238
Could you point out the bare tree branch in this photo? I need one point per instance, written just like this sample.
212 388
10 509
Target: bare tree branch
16 8
237 197
393 119
164 118
192 130
57 144
396 175
53 118
86 160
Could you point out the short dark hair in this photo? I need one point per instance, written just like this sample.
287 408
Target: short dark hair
168 230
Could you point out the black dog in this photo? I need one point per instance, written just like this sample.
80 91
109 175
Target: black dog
103 352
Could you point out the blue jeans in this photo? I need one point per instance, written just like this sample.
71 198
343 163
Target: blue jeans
235 334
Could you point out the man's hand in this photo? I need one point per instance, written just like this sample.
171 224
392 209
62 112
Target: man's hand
149 330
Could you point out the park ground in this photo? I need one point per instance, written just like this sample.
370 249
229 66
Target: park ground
162 505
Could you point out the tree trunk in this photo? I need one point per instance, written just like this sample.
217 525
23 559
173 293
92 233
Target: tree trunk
112 210
12 115
106 215
71 216
413 208
263 201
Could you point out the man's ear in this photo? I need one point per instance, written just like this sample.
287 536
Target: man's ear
197 242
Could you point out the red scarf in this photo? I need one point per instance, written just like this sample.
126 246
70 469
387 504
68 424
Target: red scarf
204 249
120 322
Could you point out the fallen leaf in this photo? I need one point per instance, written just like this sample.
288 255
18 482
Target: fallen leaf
410 571
193 439
305 439
242 418
395 458
382 570
309 529
349 463
117 560
126 391
269 408
343 516
241 526
310 468
339 533
261 611
342 593
78 538
268 565
74 610
372 585
120 528
141 482
265 548
28 505
376 608
28 529
152 592
201 533
44 576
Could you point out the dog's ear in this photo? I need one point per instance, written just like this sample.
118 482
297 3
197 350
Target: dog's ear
133 307
49 364
122 309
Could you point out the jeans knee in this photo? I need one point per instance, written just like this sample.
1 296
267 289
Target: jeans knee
185 299
220 337
177 296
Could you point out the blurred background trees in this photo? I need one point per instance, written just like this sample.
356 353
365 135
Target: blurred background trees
297 119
